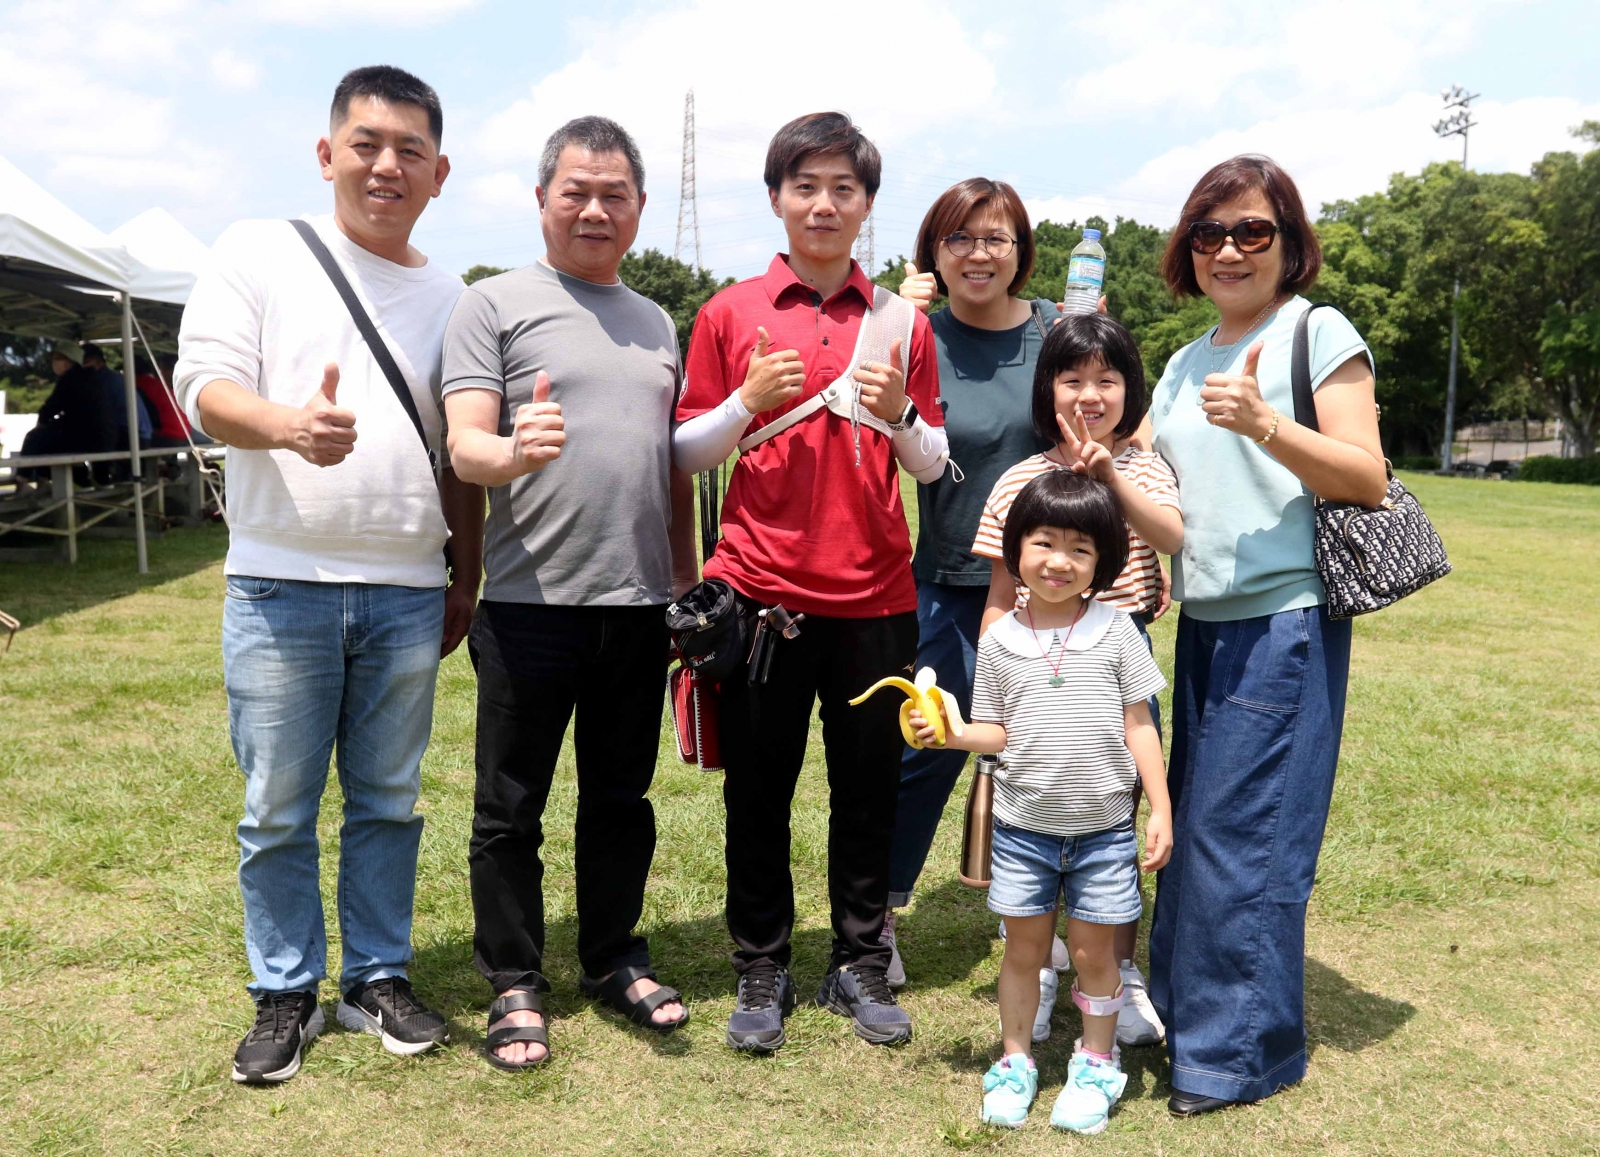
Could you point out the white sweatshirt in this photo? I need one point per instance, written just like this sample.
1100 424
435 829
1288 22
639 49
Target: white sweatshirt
267 317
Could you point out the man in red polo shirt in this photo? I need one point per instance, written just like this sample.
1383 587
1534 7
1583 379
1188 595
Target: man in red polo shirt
813 520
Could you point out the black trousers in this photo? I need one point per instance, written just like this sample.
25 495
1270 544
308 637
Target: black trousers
763 736
538 665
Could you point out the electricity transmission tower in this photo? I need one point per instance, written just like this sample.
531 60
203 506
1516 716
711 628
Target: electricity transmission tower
688 206
864 249
1456 124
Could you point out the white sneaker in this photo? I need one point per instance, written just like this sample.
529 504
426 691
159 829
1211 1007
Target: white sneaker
1060 958
1049 985
1138 1023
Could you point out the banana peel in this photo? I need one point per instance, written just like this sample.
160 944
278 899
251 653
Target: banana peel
926 696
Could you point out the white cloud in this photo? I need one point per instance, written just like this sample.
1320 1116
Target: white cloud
724 50
504 191
325 14
233 71
1170 58
1338 153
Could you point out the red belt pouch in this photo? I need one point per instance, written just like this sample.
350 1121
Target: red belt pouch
694 718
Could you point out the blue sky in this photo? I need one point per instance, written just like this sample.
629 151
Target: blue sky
212 109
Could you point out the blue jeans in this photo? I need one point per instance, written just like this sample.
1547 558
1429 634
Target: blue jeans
1258 707
948 618
310 666
1097 873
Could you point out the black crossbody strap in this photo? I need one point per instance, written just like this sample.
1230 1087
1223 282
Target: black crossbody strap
369 332
1305 408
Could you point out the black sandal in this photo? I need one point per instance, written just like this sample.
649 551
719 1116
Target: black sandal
613 990
530 1034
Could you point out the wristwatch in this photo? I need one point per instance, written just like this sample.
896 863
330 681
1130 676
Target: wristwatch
906 420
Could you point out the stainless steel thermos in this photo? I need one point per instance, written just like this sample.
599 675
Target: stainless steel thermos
977 837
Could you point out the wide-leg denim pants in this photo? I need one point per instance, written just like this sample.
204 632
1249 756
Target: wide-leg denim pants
1258 707
311 667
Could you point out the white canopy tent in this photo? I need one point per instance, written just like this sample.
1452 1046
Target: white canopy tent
60 277
171 256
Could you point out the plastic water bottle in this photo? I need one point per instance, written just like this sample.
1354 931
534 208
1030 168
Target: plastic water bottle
1086 275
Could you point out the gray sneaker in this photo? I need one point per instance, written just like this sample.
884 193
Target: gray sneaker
766 996
862 993
896 973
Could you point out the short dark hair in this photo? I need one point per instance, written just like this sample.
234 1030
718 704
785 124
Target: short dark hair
93 351
1247 173
597 135
391 85
1079 340
1064 500
826 134
950 212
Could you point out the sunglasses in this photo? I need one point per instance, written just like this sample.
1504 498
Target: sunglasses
1252 235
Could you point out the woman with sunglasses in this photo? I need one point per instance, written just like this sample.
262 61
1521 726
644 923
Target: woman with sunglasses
1260 672
976 248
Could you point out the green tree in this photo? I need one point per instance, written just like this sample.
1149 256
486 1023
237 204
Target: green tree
479 272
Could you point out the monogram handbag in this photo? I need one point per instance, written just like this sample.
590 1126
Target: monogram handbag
1367 558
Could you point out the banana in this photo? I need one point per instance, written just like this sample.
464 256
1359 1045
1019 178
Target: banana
926 696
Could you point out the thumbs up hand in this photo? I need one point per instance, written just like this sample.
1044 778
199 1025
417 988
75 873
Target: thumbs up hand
538 431
883 387
773 377
919 288
321 431
1234 401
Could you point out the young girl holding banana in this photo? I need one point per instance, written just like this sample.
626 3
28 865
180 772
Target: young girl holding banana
1062 687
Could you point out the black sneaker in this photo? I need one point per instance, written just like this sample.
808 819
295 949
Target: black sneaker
271 1050
766 996
862 993
390 1011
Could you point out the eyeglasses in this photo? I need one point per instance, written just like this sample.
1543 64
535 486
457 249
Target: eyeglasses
1252 235
997 246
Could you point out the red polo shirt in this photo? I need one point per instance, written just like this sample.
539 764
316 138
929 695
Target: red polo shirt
801 523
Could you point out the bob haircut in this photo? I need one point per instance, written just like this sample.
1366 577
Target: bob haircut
827 134
1248 173
1063 500
950 212
1079 340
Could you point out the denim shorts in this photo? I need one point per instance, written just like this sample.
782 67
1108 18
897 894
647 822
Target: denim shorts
1098 873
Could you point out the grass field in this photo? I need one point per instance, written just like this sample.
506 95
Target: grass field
1452 991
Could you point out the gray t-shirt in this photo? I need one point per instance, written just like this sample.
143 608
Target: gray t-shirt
591 527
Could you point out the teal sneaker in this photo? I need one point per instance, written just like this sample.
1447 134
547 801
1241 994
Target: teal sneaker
1092 1088
1009 1088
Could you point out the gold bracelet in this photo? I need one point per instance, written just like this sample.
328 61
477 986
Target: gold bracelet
1273 429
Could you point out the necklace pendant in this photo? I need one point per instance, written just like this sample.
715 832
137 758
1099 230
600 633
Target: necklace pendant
1057 680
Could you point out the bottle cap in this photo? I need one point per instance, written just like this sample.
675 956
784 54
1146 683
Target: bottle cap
1091 234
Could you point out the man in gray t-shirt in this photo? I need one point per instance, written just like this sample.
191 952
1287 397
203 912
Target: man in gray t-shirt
559 385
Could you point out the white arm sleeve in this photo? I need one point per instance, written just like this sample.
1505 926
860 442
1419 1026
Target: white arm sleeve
922 450
706 441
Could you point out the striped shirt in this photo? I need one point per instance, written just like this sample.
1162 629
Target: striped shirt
1138 588
1066 769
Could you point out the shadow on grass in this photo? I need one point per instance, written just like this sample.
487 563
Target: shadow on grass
36 592
689 955
1347 1018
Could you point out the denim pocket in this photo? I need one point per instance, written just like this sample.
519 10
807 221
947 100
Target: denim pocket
1267 669
252 590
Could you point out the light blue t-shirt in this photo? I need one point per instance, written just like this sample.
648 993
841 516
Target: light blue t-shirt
1247 521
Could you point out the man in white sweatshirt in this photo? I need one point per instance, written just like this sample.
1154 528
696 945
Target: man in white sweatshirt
338 604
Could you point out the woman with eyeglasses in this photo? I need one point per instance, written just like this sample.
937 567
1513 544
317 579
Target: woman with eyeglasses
976 248
1259 684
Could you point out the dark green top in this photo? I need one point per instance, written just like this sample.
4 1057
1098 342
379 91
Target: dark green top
986 390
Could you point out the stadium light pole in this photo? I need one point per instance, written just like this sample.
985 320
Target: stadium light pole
1455 123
